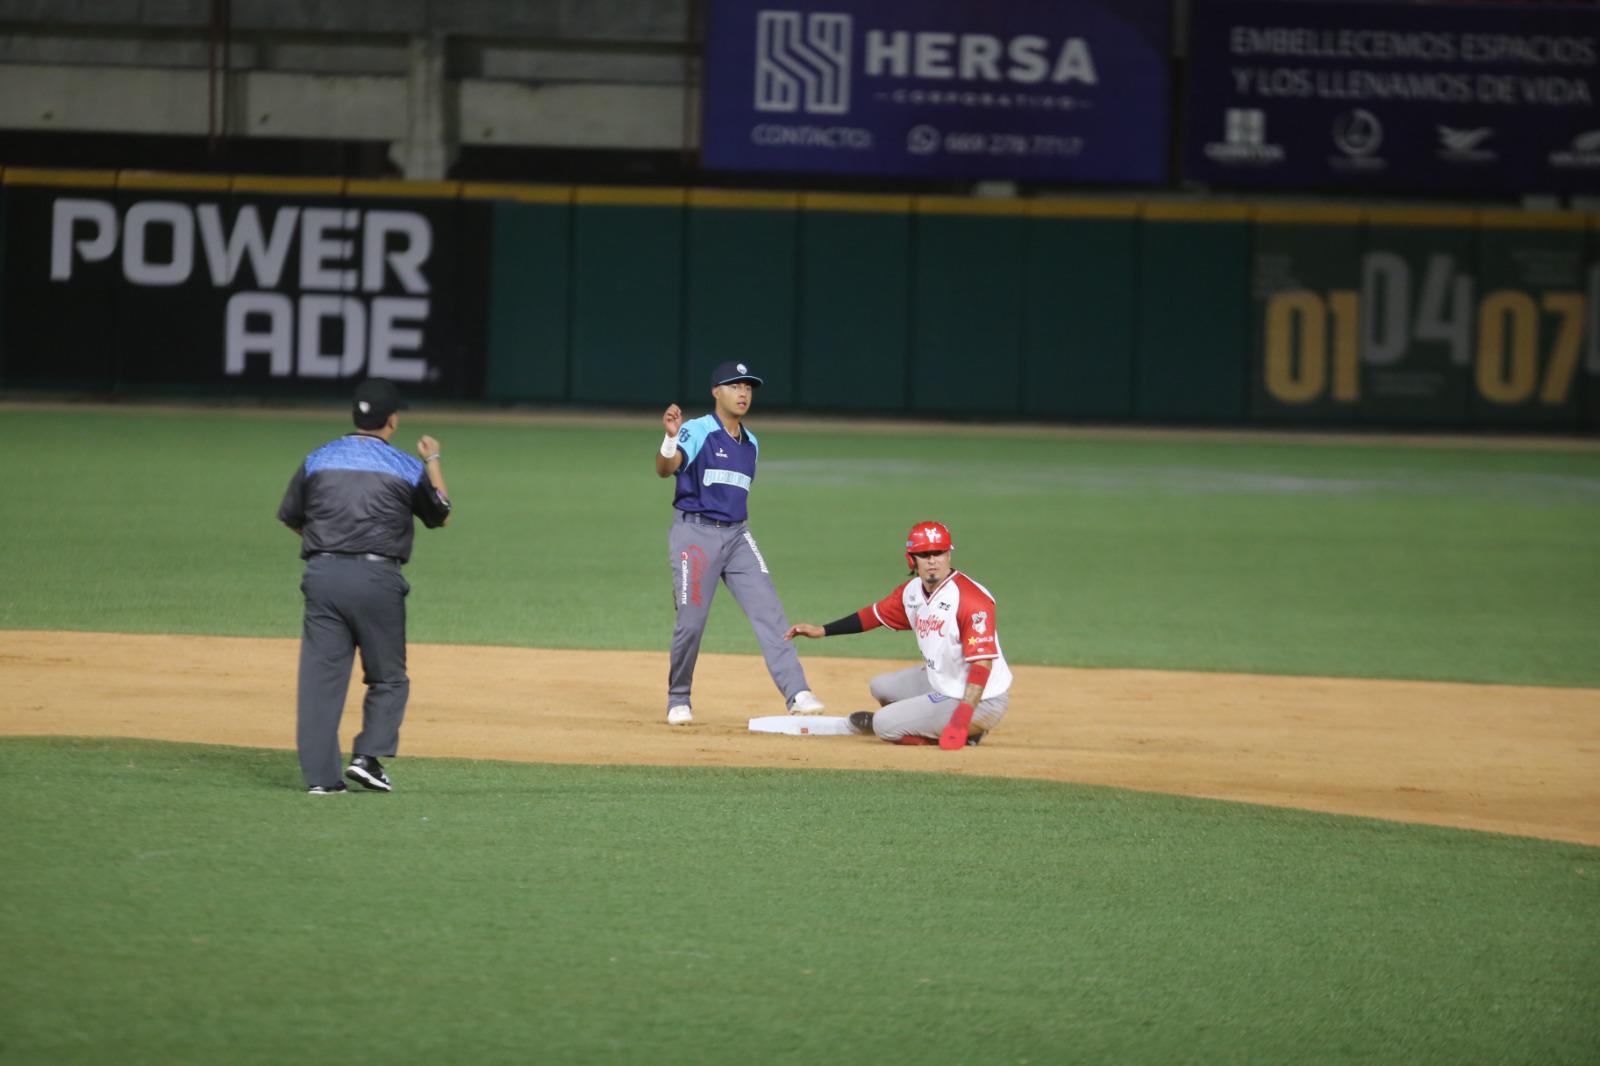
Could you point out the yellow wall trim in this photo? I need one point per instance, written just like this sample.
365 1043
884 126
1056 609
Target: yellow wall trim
1419 216
1309 214
963 205
421 190
1197 212
71 179
289 186
744 198
150 179
523 194
1051 208
629 196
870 202
1531 219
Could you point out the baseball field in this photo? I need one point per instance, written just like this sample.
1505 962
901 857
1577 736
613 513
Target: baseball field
1302 763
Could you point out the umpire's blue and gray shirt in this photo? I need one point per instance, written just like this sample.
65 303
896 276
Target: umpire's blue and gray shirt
357 495
714 478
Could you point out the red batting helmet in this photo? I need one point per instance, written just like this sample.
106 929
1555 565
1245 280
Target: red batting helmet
927 537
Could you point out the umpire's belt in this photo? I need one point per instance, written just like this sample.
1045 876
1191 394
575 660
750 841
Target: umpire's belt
700 519
369 556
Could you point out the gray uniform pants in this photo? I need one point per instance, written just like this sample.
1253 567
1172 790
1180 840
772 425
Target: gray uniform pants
911 708
351 602
700 553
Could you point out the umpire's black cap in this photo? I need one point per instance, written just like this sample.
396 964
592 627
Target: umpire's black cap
375 400
728 373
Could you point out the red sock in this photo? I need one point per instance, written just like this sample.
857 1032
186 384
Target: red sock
913 740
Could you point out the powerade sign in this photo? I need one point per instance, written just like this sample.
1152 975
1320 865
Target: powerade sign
939 88
184 288
335 262
1415 97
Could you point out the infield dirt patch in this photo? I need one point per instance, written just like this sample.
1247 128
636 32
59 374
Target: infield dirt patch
1495 757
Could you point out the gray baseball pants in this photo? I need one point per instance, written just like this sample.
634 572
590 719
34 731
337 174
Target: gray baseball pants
351 602
701 552
910 706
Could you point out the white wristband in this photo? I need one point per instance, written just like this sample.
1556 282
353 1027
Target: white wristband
669 446
434 456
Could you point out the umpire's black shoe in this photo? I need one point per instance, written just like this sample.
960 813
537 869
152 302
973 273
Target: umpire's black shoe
366 771
861 722
327 790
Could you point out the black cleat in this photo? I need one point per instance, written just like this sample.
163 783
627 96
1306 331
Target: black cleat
367 772
974 739
327 790
861 721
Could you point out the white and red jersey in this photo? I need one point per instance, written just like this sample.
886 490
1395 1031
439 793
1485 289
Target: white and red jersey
955 626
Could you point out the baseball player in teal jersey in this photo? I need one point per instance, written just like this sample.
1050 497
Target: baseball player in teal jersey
714 458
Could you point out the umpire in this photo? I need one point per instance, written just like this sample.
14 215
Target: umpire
352 503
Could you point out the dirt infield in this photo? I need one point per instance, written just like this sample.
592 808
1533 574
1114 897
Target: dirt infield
1494 757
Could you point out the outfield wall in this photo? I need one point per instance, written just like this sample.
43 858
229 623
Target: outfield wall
1050 309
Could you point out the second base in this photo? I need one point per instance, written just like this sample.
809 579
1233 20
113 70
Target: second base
802 725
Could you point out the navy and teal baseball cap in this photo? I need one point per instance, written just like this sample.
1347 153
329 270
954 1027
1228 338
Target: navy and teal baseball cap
728 373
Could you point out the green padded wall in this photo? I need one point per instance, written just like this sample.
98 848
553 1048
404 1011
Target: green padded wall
2 285
1418 316
1193 313
853 331
741 292
529 302
1530 319
1080 271
1305 323
966 332
627 305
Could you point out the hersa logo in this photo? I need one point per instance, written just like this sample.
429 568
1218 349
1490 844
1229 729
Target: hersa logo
803 62
317 307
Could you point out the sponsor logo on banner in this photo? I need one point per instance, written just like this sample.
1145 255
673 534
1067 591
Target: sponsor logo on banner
1358 134
803 67
806 63
321 305
1244 131
1583 152
803 62
1465 145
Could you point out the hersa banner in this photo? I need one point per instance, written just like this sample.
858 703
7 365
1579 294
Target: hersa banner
127 286
1345 97
1031 89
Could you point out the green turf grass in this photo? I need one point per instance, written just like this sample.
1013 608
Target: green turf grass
1302 557
180 903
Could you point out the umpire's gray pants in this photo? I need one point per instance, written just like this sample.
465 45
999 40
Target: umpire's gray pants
701 553
911 708
351 602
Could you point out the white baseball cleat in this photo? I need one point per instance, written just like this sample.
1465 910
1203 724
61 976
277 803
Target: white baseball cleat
805 703
680 715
